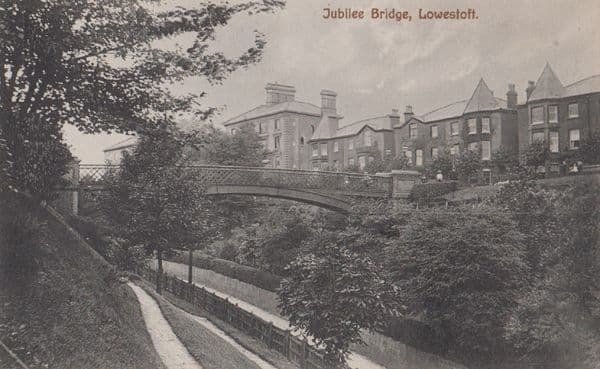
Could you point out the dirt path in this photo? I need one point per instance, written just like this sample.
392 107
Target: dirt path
355 361
172 352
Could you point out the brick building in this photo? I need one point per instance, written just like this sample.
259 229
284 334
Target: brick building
285 126
482 123
561 116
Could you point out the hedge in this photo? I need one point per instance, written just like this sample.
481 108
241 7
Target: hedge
256 277
425 192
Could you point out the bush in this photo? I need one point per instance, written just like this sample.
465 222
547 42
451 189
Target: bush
258 278
425 192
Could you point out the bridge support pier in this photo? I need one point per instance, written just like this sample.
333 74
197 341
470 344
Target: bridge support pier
402 183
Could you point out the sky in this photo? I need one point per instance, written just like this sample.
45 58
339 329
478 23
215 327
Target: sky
379 65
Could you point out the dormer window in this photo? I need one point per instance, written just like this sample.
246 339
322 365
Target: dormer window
412 130
368 137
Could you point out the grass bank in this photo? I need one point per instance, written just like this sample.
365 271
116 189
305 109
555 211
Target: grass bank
62 306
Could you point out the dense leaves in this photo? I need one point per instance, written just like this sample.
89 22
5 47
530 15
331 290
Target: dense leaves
97 65
467 164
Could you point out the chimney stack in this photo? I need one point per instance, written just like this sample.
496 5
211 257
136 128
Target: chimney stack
408 113
278 93
329 111
530 88
511 96
394 117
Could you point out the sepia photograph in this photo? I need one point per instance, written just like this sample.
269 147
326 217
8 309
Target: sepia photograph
299 184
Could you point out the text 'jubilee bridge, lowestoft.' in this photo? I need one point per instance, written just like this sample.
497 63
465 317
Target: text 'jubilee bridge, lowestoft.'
333 190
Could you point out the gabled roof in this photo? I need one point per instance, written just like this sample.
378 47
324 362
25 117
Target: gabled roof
482 99
266 110
322 130
585 86
377 124
548 86
128 142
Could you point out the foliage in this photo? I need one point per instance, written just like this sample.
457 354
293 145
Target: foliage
398 163
253 276
352 168
443 163
155 201
242 148
377 165
98 65
536 154
5 164
590 149
425 192
332 293
467 165
504 159
463 272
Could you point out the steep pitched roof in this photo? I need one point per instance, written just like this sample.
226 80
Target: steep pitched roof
482 99
322 130
585 86
455 109
265 110
548 86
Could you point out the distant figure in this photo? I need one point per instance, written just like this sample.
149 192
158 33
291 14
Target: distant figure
439 176
574 169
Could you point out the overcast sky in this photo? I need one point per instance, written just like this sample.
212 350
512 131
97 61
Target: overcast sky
376 66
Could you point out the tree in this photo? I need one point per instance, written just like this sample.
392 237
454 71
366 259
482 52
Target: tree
590 149
467 165
536 154
377 165
442 163
504 159
96 65
463 273
332 293
242 148
155 200
5 164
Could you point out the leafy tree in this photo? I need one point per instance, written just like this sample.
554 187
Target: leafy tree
463 272
377 165
155 200
398 162
504 159
97 65
243 148
443 163
536 154
332 293
467 165
590 149
5 164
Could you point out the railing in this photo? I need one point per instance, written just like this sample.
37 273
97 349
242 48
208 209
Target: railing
207 175
294 348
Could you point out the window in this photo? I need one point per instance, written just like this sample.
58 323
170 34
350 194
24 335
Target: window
419 157
315 150
336 146
351 144
276 125
323 149
574 139
434 152
573 110
553 138
277 141
361 162
553 114
368 135
454 129
538 136
472 124
412 130
537 115
408 155
261 127
473 146
351 161
485 125
434 131
486 150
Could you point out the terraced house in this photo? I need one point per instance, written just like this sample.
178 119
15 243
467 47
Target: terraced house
483 123
561 116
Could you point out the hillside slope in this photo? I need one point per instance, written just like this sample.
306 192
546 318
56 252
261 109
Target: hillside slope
61 305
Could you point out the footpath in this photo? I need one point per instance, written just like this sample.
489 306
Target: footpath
355 361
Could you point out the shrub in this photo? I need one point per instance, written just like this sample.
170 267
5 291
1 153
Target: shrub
425 192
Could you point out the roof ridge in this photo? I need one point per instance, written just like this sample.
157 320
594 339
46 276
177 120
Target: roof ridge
583 79
444 107
363 120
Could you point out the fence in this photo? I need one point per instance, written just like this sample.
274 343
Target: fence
292 347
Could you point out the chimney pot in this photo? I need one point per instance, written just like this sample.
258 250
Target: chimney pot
408 113
511 96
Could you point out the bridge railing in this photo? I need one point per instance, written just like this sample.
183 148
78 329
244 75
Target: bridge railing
213 175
